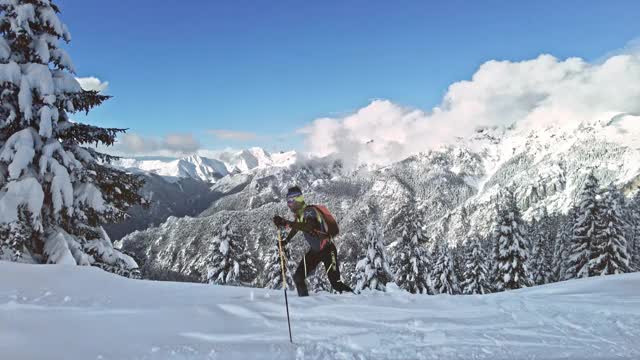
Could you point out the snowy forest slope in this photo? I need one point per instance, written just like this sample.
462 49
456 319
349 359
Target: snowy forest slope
455 191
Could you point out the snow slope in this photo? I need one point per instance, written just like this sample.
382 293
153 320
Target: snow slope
58 312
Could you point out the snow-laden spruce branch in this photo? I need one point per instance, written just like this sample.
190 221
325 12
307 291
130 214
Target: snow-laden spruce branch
55 190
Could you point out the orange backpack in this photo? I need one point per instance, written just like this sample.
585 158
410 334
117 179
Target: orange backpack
328 223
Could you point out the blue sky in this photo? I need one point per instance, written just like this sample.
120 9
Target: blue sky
271 67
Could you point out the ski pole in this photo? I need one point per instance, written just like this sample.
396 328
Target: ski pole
284 281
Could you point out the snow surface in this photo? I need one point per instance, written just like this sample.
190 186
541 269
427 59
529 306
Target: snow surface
27 192
68 312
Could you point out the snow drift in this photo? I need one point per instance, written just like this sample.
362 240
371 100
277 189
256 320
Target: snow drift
64 312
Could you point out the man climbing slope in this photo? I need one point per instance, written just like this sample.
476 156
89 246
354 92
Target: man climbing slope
318 227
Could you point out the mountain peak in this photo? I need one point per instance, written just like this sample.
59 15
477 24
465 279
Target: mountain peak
258 151
194 158
211 168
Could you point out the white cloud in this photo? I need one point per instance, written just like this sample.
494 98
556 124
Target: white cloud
534 93
631 47
181 143
134 143
390 126
173 145
93 83
233 135
217 153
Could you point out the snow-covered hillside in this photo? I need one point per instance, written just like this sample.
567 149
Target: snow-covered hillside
61 312
186 187
179 197
455 190
209 169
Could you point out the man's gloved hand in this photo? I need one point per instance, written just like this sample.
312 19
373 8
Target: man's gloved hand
279 221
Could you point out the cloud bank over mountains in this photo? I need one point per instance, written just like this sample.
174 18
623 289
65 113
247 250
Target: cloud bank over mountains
536 93
172 145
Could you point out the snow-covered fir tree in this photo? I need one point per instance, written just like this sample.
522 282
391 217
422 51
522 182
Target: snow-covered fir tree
272 272
55 190
542 271
318 281
561 245
458 256
511 256
229 264
633 211
583 229
476 269
529 235
411 258
350 246
373 271
15 237
443 276
542 235
459 253
609 249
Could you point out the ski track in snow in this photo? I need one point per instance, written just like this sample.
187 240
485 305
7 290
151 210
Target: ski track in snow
60 312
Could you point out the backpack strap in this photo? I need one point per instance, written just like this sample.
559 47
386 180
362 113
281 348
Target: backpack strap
326 241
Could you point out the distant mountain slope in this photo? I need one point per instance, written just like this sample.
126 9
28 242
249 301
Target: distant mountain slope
187 186
182 197
455 190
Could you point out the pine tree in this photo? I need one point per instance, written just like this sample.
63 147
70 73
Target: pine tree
55 190
542 235
511 257
561 245
318 282
229 264
476 272
13 236
373 272
272 278
443 276
458 256
633 211
542 270
411 258
584 230
459 253
609 248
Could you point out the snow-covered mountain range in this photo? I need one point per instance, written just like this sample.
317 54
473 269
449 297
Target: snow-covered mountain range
209 169
455 189
183 187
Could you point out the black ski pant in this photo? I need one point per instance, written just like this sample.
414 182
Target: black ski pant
329 257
